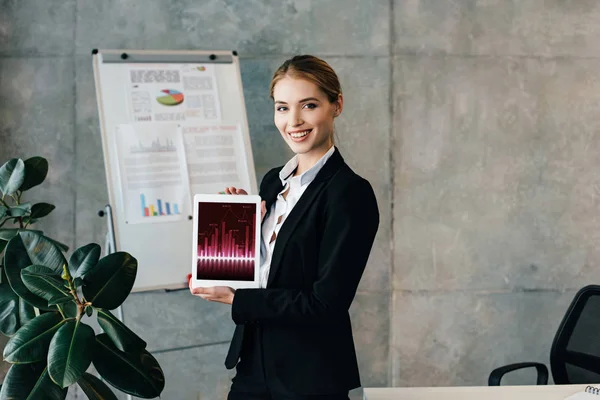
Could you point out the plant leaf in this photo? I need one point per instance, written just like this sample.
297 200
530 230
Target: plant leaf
89 311
58 244
3 244
69 309
9 233
138 374
40 210
14 311
26 311
12 175
70 352
108 284
30 382
84 259
23 250
42 282
9 310
36 170
30 344
42 250
123 338
30 221
3 211
20 210
94 388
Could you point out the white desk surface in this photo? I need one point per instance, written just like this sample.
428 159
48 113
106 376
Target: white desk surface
542 392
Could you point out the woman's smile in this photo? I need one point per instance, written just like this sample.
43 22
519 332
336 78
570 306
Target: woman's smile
299 135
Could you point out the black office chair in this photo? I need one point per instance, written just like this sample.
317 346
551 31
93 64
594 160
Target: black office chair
575 352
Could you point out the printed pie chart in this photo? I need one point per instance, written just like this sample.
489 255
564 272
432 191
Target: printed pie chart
170 97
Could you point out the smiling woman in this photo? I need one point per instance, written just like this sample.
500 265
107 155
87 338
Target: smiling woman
293 337
307 97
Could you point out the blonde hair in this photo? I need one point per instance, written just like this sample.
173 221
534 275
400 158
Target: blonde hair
312 69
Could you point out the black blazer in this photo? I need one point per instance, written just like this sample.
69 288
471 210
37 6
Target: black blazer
318 260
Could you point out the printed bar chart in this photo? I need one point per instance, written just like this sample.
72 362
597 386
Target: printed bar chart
149 210
226 242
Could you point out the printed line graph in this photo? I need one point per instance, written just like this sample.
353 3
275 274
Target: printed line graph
156 146
226 242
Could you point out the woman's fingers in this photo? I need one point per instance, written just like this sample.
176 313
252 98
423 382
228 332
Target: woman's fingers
263 209
222 294
201 292
207 293
234 190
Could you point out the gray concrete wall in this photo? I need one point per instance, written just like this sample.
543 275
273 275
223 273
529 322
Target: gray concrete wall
475 121
495 181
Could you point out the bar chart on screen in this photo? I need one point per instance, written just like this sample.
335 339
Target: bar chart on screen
226 247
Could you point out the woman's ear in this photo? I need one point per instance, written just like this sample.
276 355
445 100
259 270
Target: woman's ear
339 105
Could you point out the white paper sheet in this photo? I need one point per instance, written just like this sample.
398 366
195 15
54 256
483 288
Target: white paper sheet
163 93
153 172
215 157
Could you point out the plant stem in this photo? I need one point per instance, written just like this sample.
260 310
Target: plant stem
80 305
80 312
4 202
61 311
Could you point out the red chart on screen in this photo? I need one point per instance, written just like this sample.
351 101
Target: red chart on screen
226 241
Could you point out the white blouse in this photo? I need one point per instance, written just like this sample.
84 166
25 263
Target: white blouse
281 208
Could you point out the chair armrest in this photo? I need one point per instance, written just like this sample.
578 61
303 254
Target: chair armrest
497 374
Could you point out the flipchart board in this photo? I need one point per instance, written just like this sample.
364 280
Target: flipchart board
173 124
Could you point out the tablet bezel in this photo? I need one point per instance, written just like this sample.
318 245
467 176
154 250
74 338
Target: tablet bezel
226 198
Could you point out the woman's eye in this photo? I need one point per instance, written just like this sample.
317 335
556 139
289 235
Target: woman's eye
280 109
310 105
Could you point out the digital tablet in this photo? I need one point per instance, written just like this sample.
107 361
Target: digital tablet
226 240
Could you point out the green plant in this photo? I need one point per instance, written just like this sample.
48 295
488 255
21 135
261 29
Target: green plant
45 299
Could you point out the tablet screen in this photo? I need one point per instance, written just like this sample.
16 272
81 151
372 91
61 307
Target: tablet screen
226 241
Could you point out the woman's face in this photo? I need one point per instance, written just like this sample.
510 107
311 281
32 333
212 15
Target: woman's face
304 116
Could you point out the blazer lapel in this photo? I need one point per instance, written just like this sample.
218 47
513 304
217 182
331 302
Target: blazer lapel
306 200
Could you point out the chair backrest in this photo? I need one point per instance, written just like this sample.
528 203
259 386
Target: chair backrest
575 353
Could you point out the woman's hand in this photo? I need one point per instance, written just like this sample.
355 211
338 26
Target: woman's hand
221 294
234 190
